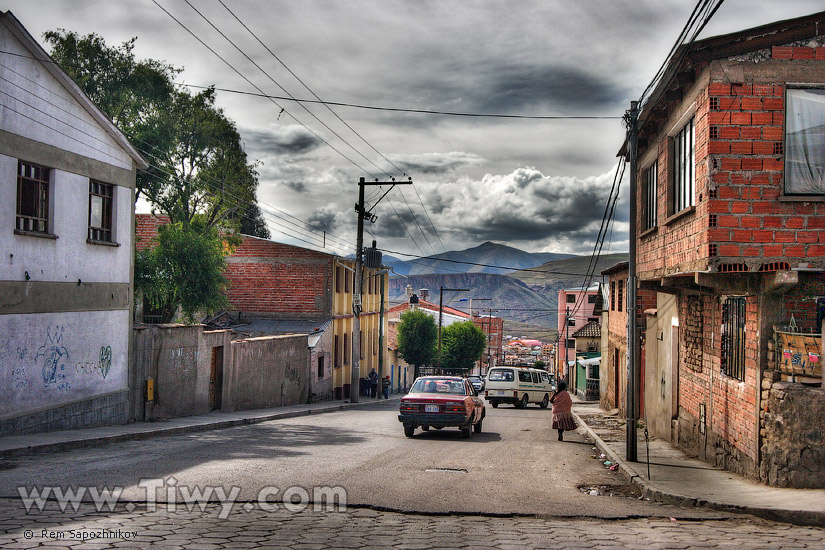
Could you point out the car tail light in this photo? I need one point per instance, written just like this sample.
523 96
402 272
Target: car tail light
409 407
454 407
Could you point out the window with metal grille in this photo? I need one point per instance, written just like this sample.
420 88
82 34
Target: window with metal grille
649 197
620 294
733 337
612 295
684 161
100 211
336 355
346 349
32 198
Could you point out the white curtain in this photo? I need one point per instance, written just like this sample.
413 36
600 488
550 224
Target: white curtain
805 142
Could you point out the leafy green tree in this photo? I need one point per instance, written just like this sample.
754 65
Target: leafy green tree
198 164
539 364
417 336
461 346
184 268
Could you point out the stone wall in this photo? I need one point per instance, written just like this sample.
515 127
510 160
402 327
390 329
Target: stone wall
792 424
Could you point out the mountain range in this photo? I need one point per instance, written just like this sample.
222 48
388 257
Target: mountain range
529 294
494 258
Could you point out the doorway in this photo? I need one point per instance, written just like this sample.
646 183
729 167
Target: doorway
216 379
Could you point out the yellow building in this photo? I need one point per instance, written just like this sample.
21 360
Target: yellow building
343 322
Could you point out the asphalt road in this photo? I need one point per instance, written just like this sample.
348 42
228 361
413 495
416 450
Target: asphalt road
515 466
513 486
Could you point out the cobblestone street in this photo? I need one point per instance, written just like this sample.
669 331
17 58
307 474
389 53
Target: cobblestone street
369 529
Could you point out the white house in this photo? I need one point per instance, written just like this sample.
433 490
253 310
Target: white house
67 183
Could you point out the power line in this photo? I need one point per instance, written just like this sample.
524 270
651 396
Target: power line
416 111
304 107
228 64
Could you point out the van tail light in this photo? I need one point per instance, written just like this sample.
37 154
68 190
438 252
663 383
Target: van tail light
486 393
515 393
455 407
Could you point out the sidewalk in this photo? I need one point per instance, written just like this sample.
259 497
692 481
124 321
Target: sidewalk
678 479
17 445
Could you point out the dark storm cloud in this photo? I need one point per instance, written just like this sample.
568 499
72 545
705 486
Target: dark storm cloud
435 163
298 186
323 218
281 140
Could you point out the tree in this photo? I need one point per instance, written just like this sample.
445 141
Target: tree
417 335
198 164
461 346
184 269
539 364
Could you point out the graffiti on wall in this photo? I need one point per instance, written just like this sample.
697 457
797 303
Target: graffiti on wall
53 358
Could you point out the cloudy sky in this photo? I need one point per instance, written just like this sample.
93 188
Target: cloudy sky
538 185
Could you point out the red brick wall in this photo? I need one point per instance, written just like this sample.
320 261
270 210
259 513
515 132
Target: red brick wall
730 404
146 227
738 217
269 277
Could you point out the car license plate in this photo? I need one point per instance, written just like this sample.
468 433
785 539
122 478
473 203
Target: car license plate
431 408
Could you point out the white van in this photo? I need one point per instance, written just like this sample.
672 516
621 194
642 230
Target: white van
519 386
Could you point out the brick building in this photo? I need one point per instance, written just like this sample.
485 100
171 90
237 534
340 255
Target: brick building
731 212
577 307
271 281
613 367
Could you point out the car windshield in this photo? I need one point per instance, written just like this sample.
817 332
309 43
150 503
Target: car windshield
474 379
437 385
501 375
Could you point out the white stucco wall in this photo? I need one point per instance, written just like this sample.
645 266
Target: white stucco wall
35 105
69 257
50 359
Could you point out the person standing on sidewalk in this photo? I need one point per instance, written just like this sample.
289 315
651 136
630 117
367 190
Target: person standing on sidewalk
562 405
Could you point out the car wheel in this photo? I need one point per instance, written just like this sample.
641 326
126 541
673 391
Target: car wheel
409 430
425 428
466 432
494 404
545 401
523 403
477 427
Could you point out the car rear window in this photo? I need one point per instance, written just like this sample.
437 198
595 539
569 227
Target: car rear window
524 376
500 375
430 385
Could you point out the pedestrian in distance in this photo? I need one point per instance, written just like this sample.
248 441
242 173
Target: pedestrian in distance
562 405
373 376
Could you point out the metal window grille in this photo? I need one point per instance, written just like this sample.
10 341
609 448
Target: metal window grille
32 198
620 293
683 168
733 337
100 211
650 184
612 295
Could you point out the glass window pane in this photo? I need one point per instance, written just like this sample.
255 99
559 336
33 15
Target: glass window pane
96 212
805 141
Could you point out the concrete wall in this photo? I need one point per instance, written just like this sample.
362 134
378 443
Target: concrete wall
661 367
178 359
321 386
272 371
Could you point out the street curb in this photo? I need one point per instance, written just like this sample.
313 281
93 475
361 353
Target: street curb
194 428
650 491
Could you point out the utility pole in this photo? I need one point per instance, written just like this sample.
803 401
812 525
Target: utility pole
441 314
633 370
566 366
489 321
381 347
363 213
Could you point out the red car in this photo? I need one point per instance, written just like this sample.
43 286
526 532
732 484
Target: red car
440 402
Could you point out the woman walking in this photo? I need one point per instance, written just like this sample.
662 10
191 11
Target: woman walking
562 417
